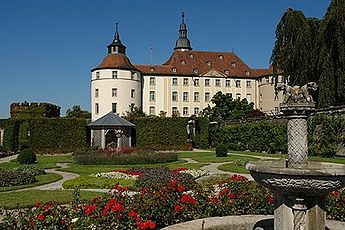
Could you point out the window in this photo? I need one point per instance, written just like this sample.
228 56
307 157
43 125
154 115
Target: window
183 62
217 82
227 83
247 73
174 70
113 107
96 92
208 63
267 80
249 97
196 71
196 110
152 69
185 96
276 110
132 107
97 75
196 82
174 81
196 96
174 111
238 96
114 92
133 75
114 74
174 96
229 94
191 55
207 82
248 84
152 96
207 96
185 111
185 81
152 80
260 97
233 64
227 72
152 110
221 57
238 83
96 108
132 93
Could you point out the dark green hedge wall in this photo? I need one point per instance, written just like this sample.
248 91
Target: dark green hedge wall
58 135
254 136
169 133
47 135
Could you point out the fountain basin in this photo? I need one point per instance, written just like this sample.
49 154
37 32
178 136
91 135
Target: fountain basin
313 179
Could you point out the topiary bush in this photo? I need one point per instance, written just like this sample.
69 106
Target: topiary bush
27 156
221 150
13 177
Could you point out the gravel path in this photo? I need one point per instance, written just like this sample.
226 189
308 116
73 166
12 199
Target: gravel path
8 159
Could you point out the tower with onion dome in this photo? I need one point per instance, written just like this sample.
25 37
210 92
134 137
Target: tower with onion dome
115 83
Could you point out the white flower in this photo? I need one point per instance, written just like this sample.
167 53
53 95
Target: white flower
74 220
195 173
116 175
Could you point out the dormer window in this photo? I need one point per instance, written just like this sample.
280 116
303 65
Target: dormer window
233 64
221 57
174 70
196 71
183 62
227 72
208 63
247 73
152 69
191 55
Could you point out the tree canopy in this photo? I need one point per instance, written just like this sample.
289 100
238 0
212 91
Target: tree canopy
76 112
226 108
311 49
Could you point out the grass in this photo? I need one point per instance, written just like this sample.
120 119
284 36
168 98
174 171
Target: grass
96 182
41 179
30 198
233 167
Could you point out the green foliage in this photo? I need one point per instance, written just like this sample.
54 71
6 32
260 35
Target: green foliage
83 182
255 136
326 133
13 177
114 158
32 169
24 130
169 133
27 156
226 108
221 150
200 139
134 113
11 135
335 205
76 112
308 49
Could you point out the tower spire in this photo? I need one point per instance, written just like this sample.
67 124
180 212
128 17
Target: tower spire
116 46
183 43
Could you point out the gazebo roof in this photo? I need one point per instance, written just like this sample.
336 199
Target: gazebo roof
110 120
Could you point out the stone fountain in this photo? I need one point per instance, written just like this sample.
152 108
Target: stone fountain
299 186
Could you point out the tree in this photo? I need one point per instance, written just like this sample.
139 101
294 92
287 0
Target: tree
76 112
309 49
133 113
226 108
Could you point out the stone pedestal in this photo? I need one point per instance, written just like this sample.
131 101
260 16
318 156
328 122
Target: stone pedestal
299 213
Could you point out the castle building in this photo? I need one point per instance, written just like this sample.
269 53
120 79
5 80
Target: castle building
184 84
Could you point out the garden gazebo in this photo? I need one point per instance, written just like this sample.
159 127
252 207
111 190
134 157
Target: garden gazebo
111 128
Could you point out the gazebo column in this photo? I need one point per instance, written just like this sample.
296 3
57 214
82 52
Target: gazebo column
103 138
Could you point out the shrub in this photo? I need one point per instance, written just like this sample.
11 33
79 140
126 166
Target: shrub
32 169
221 150
136 157
27 156
13 177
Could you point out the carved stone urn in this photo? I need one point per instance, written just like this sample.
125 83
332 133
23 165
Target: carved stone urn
299 185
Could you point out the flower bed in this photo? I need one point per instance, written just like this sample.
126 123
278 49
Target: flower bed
19 176
124 157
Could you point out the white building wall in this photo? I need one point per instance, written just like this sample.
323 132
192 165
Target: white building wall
124 83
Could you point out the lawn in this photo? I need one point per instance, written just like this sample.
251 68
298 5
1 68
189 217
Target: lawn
210 157
96 182
41 179
233 167
29 198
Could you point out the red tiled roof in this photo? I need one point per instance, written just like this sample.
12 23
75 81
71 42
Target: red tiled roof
115 61
261 72
188 62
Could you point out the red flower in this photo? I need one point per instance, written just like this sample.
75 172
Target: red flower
188 199
89 209
105 212
174 182
335 193
231 195
270 199
177 208
133 214
39 205
95 200
33 224
233 177
117 207
41 217
62 221
147 225
181 188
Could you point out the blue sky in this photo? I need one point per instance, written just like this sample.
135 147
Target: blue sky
48 47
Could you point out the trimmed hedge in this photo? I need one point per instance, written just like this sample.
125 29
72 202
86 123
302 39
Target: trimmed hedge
255 136
27 156
13 177
169 133
47 135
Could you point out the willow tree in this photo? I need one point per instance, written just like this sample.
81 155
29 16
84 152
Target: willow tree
309 49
